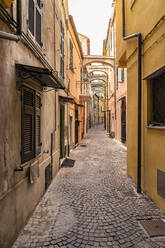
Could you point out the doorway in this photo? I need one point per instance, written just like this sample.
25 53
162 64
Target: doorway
123 120
61 131
109 121
76 126
71 130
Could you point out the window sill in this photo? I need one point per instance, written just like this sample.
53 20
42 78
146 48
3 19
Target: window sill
33 40
156 127
28 163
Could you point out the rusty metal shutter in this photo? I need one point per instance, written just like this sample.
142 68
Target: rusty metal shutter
27 124
38 124
38 26
31 16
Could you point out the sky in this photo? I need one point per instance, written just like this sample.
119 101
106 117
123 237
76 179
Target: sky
91 18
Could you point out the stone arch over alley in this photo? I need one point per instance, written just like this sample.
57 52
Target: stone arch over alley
106 60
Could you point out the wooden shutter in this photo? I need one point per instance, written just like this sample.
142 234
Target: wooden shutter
71 54
37 124
27 124
62 51
31 16
38 26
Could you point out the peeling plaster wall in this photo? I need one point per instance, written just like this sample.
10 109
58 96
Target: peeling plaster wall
17 196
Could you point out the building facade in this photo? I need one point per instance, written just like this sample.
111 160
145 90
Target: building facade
140 47
35 107
77 86
117 87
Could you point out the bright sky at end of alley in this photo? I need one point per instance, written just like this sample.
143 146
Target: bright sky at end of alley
91 18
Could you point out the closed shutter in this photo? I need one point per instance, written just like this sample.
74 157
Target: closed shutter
38 26
27 124
62 52
31 16
71 54
122 74
37 124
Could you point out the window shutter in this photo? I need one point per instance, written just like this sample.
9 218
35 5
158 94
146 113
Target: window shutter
117 77
122 74
31 16
38 26
27 124
62 51
37 124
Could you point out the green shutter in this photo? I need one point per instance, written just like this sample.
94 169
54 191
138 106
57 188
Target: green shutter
122 74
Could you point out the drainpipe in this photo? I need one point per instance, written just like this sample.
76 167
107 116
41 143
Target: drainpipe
8 36
13 37
139 37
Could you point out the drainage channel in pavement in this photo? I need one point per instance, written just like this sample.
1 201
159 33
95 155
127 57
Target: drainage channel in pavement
155 230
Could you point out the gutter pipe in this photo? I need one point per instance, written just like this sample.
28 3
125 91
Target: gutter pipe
13 37
139 36
8 36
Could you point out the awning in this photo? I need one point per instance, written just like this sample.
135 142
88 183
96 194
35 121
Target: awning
84 98
44 76
80 105
66 99
155 74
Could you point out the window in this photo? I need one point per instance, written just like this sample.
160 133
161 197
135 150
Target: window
81 83
122 74
34 21
111 40
71 55
62 52
31 124
117 78
157 110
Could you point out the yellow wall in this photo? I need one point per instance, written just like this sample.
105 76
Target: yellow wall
142 17
75 79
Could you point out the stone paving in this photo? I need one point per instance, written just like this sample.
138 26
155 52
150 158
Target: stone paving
93 204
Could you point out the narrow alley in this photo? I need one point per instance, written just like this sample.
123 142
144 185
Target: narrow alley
92 204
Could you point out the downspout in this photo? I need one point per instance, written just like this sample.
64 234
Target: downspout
13 37
8 36
139 36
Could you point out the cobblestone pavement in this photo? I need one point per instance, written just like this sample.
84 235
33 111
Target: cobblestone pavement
93 204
